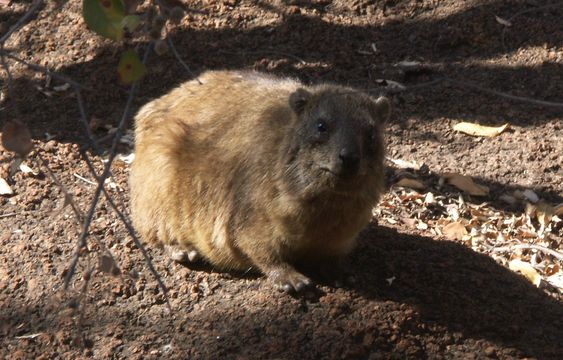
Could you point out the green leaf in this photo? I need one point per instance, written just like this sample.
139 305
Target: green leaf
130 22
130 67
105 17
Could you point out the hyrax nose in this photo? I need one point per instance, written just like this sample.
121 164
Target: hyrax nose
350 161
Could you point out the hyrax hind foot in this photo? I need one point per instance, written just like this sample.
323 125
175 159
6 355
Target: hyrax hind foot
286 278
185 256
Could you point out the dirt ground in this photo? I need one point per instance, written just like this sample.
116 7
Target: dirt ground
417 295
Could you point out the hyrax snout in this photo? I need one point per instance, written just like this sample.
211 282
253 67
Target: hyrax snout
252 171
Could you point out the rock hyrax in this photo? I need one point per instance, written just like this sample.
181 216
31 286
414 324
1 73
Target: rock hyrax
253 171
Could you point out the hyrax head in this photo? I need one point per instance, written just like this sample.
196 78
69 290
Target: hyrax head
336 144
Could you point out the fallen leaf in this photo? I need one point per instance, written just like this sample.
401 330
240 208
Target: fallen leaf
479 130
411 183
16 137
556 280
390 280
544 213
27 170
422 226
5 189
525 269
429 198
454 231
466 183
128 159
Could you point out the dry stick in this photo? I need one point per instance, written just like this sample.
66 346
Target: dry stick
21 21
123 218
90 215
552 252
43 69
173 48
132 233
550 6
466 84
462 84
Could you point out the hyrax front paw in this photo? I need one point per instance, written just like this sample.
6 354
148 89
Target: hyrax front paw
289 280
185 256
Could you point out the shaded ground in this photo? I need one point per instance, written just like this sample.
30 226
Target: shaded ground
446 301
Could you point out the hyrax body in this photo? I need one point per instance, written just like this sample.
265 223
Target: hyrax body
252 171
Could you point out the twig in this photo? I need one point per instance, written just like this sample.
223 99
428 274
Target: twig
552 252
84 179
43 70
132 233
90 214
398 87
503 94
34 6
179 58
7 215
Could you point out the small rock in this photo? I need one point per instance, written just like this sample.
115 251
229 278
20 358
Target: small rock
491 352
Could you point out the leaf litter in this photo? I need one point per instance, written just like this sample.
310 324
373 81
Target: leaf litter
454 207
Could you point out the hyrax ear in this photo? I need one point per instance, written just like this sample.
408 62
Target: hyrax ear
380 109
298 100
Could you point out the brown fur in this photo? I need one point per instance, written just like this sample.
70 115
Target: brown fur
232 168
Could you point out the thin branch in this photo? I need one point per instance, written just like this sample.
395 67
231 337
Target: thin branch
131 232
549 251
42 69
397 87
84 179
179 58
473 86
90 215
7 215
34 6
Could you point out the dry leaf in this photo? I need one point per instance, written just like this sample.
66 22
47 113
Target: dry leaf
411 183
556 280
525 269
479 130
5 189
17 138
544 212
128 159
27 170
466 183
429 198
454 231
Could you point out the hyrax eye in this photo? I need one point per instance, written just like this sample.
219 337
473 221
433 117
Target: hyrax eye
322 126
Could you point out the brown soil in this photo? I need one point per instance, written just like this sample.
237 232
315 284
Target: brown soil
446 301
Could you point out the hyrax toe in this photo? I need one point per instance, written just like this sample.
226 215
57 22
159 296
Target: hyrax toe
185 256
289 280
